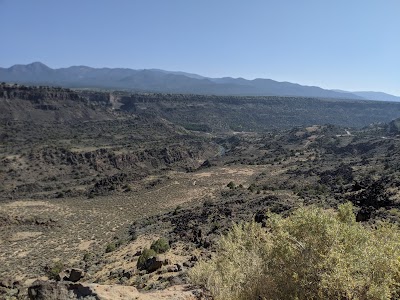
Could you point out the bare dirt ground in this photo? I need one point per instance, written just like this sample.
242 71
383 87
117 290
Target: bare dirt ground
111 292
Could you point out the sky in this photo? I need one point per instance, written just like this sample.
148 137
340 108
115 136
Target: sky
342 44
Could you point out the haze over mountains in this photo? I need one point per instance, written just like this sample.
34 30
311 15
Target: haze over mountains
155 80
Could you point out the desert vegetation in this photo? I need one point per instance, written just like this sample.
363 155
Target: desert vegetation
141 190
311 254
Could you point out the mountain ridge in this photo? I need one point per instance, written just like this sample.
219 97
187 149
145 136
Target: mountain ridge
380 96
157 80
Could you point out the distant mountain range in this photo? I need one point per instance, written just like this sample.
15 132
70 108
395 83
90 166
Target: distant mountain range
155 80
379 96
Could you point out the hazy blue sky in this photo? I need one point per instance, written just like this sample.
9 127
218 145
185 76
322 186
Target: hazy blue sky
345 44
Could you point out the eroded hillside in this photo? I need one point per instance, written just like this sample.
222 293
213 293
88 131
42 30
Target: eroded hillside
92 189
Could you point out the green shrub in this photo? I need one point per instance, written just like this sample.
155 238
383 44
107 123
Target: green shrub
133 235
177 209
160 246
312 254
112 246
252 187
146 254
231 185
88 256
53 270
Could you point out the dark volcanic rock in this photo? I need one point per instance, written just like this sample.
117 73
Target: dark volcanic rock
372 194
72 275
152 264
48 290
52 290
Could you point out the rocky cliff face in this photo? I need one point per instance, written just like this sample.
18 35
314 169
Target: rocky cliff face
180 155
37 94
47 93
61 142
52 104
100 170
194 112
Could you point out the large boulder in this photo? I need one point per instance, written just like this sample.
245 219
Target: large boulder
71 274
152 264
57 290
48 290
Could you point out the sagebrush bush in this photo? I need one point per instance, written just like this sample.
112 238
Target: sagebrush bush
53 270
112 246
231 185
160 246
312 254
